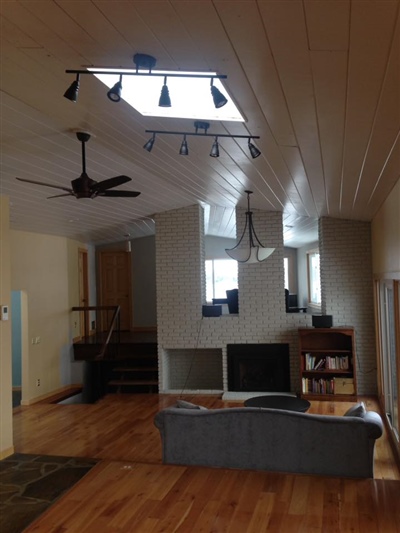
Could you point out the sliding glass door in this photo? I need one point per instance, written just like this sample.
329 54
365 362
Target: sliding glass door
388 315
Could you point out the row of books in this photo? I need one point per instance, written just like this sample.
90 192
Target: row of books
318 386
329 362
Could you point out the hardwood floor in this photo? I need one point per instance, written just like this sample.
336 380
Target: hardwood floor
131 491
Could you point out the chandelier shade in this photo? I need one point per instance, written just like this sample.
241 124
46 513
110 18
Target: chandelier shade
249 248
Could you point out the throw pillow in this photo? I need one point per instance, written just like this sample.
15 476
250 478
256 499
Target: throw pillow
182 404
356 410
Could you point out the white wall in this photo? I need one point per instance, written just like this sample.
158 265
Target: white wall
6 429
386 237
46 268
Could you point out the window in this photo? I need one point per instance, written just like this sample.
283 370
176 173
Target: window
286 269
389 311
221 275
314 283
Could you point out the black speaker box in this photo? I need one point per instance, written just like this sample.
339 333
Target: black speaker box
322 321
212 310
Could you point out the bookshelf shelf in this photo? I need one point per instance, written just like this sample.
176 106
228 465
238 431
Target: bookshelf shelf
327 363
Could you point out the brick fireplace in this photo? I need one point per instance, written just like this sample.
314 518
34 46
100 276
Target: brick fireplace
183 330
180 277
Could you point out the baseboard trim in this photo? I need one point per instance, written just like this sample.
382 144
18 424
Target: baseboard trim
7 452
56 395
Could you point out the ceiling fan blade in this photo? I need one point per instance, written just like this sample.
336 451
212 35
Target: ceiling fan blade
60 195
109 184
46 185
119 194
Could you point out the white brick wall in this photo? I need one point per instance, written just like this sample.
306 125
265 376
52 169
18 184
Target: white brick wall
347 289
181 293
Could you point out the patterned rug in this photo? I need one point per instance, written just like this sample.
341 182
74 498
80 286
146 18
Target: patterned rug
29 484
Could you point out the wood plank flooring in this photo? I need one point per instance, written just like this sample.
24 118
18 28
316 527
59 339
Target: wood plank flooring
130 490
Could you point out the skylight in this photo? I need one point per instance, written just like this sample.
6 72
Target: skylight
190 97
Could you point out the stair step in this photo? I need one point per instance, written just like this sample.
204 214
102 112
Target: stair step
123 382
137 369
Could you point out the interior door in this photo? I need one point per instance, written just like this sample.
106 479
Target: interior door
83 291
116 285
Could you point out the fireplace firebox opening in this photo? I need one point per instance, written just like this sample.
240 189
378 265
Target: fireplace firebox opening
258 367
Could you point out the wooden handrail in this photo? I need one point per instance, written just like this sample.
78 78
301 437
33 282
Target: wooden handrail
113 323
110 330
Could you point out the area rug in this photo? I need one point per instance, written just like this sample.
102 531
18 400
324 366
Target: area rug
30 484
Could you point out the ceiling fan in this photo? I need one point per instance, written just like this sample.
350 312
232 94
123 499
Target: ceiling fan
85 187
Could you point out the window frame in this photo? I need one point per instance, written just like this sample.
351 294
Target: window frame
310 254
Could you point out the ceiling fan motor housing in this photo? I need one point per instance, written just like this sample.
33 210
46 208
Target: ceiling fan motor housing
82 186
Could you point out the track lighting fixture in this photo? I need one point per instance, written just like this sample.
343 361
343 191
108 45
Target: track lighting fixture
165 100
184 150
249 248
72 92
143 63
215 148
254 151
149 145
200 125
114 94
218 97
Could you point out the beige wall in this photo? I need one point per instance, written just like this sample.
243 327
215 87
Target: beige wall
6 429
46 268
386 237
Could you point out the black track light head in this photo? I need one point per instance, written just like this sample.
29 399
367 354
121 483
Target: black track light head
218 97
215 148
184 150
114 94
72 92
165 100
254 151
149 145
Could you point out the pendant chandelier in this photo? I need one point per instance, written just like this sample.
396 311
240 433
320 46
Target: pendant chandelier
249 248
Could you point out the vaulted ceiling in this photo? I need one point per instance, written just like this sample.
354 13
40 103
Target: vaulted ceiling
317 80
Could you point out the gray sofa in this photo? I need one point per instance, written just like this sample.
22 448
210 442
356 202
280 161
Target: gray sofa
270 439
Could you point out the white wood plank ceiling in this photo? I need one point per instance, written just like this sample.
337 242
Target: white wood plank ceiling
317 80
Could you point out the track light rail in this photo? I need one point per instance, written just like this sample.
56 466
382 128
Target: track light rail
162 132
162 74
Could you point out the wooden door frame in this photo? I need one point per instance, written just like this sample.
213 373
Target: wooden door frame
83 272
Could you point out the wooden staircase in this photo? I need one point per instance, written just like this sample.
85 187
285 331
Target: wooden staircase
136 369
130 367
139 373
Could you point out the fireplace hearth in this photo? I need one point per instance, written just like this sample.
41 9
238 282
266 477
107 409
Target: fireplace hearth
258 367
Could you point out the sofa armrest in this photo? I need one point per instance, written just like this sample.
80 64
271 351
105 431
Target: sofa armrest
374 423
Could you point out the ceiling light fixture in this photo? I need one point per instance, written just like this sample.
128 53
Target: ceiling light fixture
215 148
165 100
72 92
249 248
114 94
218 97
254 151
184 150
149 145
146 63
200 125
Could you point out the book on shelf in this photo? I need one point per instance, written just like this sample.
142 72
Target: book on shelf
318 386
337 362
320 364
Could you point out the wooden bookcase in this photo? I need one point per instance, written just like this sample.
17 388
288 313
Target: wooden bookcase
327 364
